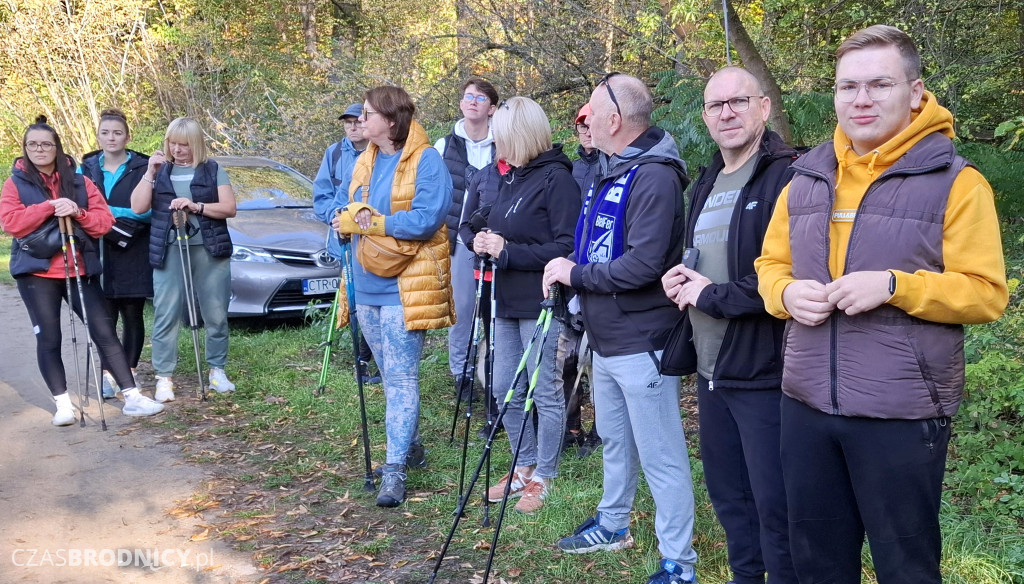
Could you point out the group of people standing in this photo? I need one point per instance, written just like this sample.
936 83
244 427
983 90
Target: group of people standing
818 296
120 249
820 302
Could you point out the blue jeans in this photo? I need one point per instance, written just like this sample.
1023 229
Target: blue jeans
511 335
637 411
397 353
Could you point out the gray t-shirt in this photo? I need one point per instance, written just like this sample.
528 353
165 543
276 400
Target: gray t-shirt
181 180
711 237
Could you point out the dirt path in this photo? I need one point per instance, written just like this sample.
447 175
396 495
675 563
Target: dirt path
76 501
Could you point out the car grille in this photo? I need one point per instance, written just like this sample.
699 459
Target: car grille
290 297
301 260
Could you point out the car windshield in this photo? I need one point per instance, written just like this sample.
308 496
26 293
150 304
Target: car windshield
267 187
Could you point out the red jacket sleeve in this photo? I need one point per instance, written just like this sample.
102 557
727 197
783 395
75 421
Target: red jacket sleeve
19 220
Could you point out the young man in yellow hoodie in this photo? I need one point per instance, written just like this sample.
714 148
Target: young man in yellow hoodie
883 245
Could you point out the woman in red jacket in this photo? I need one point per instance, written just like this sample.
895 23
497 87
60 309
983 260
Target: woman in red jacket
43 186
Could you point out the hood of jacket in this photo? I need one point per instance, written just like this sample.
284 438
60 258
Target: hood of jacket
592 157
654 145
542 160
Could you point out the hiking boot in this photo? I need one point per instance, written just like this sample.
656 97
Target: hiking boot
219 381
573 438
519 482
591 537
590 444
392 486
65 415
365 375
164 389
671 573
110 387
533 496
415 457
138 405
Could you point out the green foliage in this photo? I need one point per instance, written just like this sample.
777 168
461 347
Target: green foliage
1011 131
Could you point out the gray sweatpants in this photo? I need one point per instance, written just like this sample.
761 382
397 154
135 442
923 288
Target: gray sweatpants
511 335
464 293
637 411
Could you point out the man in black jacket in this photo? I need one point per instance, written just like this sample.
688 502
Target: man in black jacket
629 233
730 341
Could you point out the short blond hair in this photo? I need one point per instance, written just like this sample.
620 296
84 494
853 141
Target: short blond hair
189 131
881 35
521 130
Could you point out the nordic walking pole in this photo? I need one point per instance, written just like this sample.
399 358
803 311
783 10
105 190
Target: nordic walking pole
547 306
469 367
83 398
466 366
69 227
185 257
461 505
353 327
489 385
328 344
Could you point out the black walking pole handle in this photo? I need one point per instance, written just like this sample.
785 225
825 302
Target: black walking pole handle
554 294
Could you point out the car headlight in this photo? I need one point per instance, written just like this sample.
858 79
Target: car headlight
241 253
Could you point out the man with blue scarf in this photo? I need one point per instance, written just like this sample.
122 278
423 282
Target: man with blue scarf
629 233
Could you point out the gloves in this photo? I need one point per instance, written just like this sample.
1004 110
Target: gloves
347 220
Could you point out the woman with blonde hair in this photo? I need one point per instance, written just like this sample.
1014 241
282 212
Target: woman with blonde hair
400 193
531 222
181 177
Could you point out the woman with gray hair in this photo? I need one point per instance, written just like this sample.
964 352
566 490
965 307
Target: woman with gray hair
531 222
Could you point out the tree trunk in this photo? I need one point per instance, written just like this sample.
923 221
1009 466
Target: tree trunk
752 60
308 10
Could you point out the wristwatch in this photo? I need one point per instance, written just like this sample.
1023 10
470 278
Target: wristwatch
892 283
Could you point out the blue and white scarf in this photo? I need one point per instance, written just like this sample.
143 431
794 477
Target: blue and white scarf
601 230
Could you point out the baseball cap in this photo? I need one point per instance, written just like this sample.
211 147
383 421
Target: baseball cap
584 112
353 111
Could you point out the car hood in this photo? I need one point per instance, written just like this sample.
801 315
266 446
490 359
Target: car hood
295 229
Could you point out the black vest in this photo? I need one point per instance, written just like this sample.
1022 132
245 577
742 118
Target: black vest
457 160
216 238
30 194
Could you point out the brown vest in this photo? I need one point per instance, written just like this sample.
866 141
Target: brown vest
883 363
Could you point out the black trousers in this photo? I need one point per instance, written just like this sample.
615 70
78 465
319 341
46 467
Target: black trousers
739 448
849 476
43 297
131 312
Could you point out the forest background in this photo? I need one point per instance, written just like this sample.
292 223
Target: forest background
270 77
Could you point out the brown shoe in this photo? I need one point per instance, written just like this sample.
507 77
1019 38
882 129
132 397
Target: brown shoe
533 496
519 482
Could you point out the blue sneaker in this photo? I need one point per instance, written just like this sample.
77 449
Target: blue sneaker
670 573
591 537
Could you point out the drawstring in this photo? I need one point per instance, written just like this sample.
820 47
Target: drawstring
871 165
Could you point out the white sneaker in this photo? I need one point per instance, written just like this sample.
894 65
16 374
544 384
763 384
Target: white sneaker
219 381
136 404
110 387
164 389
65 415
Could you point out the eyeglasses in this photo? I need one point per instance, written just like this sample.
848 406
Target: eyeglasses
847 90
44 146
611 94
350 121
476 98
582 128
367 113
738 105
504 104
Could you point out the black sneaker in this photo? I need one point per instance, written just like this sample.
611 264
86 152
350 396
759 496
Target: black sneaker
416 457
572 439
463 388
392 486
485 431
590 444
366 376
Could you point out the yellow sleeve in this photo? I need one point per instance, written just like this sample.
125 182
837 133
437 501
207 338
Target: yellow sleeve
775 266
972 288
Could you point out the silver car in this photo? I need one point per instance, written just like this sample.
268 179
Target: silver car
280 264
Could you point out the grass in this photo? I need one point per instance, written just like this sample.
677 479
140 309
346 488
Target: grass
277 371
5 259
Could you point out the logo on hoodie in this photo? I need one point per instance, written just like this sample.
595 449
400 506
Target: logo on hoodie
844 215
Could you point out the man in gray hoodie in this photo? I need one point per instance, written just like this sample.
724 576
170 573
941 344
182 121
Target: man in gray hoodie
629 233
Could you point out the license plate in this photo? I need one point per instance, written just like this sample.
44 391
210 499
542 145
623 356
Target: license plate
314 286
